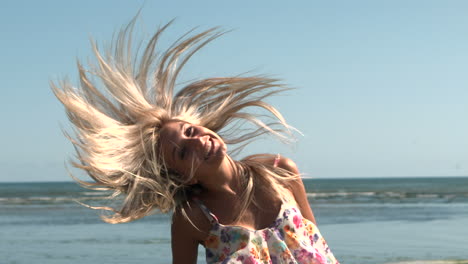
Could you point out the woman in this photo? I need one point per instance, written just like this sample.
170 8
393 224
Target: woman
169 153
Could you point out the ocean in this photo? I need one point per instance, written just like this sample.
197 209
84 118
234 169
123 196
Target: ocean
373 221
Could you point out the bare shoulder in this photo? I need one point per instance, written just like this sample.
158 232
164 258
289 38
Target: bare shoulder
288 164
294 184
297 188
190 220
278 160
188 230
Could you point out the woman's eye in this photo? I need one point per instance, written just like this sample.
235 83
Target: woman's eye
189 131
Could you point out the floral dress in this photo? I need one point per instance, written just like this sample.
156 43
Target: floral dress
290 239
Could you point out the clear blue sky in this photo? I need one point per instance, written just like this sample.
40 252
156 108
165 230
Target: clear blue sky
382 86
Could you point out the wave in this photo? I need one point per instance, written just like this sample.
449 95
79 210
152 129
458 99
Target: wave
381 197
320 197
47 200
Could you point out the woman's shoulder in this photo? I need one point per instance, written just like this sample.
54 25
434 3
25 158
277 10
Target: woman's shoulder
189 219
276 160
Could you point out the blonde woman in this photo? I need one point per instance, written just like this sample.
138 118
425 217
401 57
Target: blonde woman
171 153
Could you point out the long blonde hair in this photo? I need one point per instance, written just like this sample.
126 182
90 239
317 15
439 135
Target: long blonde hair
126 97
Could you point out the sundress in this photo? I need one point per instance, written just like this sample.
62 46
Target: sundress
291 239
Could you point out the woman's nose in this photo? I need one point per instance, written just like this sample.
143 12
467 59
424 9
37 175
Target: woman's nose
199 141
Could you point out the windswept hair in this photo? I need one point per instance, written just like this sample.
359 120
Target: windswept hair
125 98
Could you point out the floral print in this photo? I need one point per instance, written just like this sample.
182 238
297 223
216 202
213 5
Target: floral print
291 239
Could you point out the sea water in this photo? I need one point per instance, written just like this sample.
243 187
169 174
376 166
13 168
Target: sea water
384 220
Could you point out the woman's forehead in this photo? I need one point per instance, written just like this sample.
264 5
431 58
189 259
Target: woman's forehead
171 129
170 137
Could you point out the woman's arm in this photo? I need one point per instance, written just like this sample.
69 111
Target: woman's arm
184 245
185 236
297 188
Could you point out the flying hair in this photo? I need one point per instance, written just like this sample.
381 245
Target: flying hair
125 98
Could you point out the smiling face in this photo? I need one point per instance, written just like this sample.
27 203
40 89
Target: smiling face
192 151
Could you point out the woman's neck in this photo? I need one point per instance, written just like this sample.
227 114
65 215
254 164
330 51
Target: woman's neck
227 182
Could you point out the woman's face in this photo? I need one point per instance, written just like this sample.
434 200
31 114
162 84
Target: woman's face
191 150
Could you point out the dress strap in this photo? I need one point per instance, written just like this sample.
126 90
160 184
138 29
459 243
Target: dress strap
211 217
